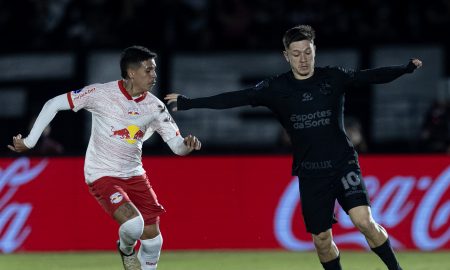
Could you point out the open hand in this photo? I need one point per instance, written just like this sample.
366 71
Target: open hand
18 145
172 99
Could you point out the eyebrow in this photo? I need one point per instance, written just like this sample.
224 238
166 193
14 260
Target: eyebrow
149 67
296 50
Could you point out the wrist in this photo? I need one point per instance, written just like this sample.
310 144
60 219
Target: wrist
410 67
182 102
28 144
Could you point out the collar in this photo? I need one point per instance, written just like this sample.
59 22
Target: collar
127 95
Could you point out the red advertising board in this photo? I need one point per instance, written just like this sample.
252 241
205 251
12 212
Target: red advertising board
242 202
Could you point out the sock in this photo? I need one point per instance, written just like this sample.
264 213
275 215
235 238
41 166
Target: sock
387 255
129 232
334 264
149 252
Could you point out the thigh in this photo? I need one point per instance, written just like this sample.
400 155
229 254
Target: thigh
144 198
351 191
317 201
110 194
125 212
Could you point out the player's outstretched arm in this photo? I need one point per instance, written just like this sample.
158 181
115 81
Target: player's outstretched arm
177 102
46 115
386 74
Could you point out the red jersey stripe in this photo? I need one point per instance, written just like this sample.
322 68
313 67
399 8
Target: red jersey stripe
69 98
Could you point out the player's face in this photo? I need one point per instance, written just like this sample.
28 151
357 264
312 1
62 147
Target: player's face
144 77
301 56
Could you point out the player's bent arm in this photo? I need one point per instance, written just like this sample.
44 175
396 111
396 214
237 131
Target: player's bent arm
221 101
178 146
48 112
384 74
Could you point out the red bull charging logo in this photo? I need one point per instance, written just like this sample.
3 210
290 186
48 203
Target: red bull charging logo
129 134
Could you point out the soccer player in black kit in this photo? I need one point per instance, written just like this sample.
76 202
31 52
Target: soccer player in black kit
309 103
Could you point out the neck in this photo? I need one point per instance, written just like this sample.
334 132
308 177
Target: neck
302 77
130 89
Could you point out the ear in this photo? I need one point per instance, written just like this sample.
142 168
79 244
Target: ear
131 72
286 56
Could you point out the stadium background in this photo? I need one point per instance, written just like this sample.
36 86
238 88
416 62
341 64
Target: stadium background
205 47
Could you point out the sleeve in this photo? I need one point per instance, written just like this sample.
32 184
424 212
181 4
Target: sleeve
177 146
378 75
164 124
251 96
48 112
83 98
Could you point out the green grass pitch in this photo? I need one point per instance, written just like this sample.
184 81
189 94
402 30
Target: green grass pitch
222 260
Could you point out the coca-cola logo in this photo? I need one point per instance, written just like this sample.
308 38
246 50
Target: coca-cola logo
13 215
426 216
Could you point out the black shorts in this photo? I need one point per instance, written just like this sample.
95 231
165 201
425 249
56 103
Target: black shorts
318 196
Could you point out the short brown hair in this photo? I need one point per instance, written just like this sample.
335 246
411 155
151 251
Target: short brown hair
298 33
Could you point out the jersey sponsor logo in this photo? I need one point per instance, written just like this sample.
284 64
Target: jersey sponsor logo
77 91
116 198
80 94
130 134
307 96
317 165
311 120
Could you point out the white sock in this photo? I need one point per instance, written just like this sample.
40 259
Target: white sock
149 252
129 232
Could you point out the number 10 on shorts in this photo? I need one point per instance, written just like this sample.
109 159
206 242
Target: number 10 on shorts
350 180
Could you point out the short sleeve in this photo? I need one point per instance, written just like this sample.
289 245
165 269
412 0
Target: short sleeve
82 98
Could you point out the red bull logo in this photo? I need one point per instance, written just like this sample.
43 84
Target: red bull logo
129 134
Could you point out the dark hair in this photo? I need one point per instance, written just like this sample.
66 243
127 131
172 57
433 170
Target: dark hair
132 57
298 33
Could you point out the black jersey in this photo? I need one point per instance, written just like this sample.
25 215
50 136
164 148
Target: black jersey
311 111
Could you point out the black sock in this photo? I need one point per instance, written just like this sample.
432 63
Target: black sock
387 255
333 264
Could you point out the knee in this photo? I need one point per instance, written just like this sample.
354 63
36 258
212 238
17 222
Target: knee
323 241
133 228
366 225
150 231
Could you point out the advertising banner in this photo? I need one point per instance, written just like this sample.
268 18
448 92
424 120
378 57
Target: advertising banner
213 202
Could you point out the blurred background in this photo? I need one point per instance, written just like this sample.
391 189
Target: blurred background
237 193
209 46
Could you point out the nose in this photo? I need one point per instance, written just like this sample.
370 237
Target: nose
303 57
